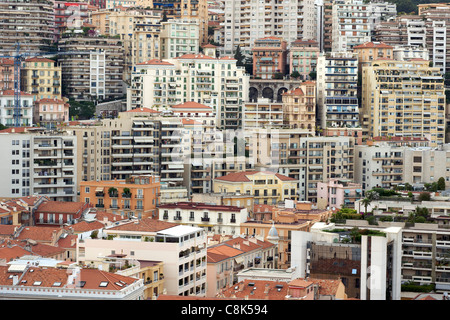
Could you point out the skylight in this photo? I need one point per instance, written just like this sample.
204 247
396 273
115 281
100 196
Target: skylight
37 283
103 284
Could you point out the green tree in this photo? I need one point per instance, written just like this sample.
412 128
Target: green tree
424 196
239 57
295 75
441 183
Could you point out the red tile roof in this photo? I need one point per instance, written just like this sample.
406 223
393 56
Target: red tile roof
62 207
155 62
191 105
37 59
145 225
143 110
11 93
256 290
373 45
85 226
13 252
195 56
46 100
199 206
38 233
242 176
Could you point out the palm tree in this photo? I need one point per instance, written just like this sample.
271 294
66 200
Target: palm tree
365 202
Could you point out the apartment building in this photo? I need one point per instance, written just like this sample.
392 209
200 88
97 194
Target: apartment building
62 284
41 77
215 82
179 37
337 193
6 74
187 10
182 249
350 24
370 51
322 159
406 52
428 30
93 70
262 114
7 108
420 112
40 163
138 29
69 15
371 269
299 107
269 57
288 20
49 113
227 258
29 23
219 219
267 187
380 166
303 58
337 99
137 196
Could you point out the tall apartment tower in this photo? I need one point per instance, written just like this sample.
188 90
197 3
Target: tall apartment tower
187 9
337 100
38 162
351 25
28 23
248 20
96 71
404 99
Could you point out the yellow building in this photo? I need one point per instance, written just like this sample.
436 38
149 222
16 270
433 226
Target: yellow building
42 78
153 274
299 107
403 99
266 187
370 51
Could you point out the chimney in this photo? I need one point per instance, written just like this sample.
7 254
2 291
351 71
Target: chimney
15 280
241 286
266 289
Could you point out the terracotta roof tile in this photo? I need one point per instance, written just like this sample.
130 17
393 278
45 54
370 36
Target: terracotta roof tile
145 225
62 207
256 290
155 62
373 45
148 110
191 105
242 176
84 226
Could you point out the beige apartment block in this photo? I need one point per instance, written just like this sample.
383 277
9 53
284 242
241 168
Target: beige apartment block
179 37
404 98
303 58
299 107
42 78
290 20
28 23
370 51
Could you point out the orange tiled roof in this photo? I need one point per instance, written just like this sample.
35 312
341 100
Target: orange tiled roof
191 105
85 226
11 93
155 62
373 45
257 290
143 110
37 59
145 225
190 122
195 56
294 92
12 253
7 230
46 100
242 176
37 233
61 207
68 242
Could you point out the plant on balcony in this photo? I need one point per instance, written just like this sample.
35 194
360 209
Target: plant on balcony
126 192
112 192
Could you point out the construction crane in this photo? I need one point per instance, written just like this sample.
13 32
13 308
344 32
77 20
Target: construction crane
17 64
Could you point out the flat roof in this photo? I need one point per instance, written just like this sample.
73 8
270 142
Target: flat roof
179 231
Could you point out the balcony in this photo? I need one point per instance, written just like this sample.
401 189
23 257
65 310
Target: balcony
205 219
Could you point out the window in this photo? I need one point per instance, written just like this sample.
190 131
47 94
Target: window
103 284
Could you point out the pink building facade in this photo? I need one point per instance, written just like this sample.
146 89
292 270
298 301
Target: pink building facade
49 112
338 193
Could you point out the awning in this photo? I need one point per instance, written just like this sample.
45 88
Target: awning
138 123
347 191
99 189
176 166
358 190
239 260
143 139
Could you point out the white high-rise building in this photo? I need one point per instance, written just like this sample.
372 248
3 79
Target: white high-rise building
351 24
248 20
215 82
37 162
